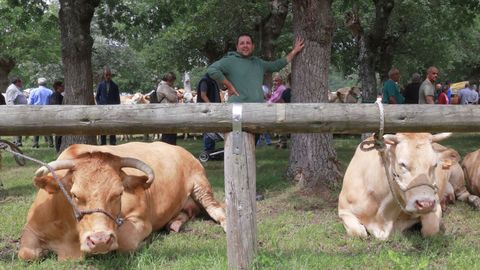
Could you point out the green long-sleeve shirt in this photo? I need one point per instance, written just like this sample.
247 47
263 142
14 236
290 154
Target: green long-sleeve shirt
245 73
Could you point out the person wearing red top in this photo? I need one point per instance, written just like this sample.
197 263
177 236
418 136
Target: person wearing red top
443 98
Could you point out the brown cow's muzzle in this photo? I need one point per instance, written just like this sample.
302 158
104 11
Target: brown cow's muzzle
99 242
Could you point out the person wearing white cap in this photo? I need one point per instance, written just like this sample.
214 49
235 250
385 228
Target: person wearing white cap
14 96
41 96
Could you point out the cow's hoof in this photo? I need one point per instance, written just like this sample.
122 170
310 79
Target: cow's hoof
442 228
28 254
176 226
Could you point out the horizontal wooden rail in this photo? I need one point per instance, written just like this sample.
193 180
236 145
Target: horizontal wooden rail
257 117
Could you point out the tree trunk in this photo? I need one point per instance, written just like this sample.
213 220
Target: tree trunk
75 17
313 160
374 48
269 29
6 65
367 72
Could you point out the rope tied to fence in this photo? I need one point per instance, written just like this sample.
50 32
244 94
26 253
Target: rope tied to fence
378 143
77 212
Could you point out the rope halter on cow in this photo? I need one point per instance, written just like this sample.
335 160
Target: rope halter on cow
393 178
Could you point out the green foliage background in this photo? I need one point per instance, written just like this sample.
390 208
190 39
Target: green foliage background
141 40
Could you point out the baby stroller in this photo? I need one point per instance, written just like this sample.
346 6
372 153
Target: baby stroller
216 154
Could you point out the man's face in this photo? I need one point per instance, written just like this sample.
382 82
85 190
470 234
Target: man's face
19 84
107 76
396 76
432 75
245 46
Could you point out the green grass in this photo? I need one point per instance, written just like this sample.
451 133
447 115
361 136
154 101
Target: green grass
295 231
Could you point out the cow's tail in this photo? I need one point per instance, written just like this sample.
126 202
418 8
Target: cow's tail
203 195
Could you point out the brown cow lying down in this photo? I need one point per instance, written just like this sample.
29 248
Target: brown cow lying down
346 95
165 189
366 202
451 170
471 168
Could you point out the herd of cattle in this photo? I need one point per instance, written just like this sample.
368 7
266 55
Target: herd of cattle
149 186
105 198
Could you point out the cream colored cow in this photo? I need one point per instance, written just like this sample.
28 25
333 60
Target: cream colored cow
368 204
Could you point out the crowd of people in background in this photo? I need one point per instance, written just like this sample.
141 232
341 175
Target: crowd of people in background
428 91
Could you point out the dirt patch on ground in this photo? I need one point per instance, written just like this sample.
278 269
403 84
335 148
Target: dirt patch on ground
8 249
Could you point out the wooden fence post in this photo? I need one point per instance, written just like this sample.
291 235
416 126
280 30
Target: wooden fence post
240 191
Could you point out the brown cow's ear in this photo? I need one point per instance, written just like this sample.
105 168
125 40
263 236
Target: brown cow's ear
49 183
132 182
46 182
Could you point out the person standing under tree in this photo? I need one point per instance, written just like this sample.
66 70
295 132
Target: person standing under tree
427 88
14 96
41 96
411 90
208 92
57 99
107 94
242 73
391 90
166 94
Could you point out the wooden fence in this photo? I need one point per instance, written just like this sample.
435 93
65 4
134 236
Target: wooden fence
239 147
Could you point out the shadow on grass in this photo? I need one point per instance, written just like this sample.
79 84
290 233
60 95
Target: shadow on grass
19 191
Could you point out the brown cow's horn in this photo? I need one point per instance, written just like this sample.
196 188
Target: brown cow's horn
56 165
138 164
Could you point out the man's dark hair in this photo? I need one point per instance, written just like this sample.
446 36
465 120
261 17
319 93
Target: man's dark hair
169 77
57 84
15 79
244 35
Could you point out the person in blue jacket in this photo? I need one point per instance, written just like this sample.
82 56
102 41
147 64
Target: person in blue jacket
107 94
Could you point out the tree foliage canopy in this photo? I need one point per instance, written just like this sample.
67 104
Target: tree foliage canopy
140 40
29 35
420 33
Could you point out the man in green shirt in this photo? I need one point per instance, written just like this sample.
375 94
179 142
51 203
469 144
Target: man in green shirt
243 73
391 90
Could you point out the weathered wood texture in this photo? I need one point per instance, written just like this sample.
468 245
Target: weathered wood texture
293 118
240 194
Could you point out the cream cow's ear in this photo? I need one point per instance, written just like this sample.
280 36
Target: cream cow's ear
446 164
390 139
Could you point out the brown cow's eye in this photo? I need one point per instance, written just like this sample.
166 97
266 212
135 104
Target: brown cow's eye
116 196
